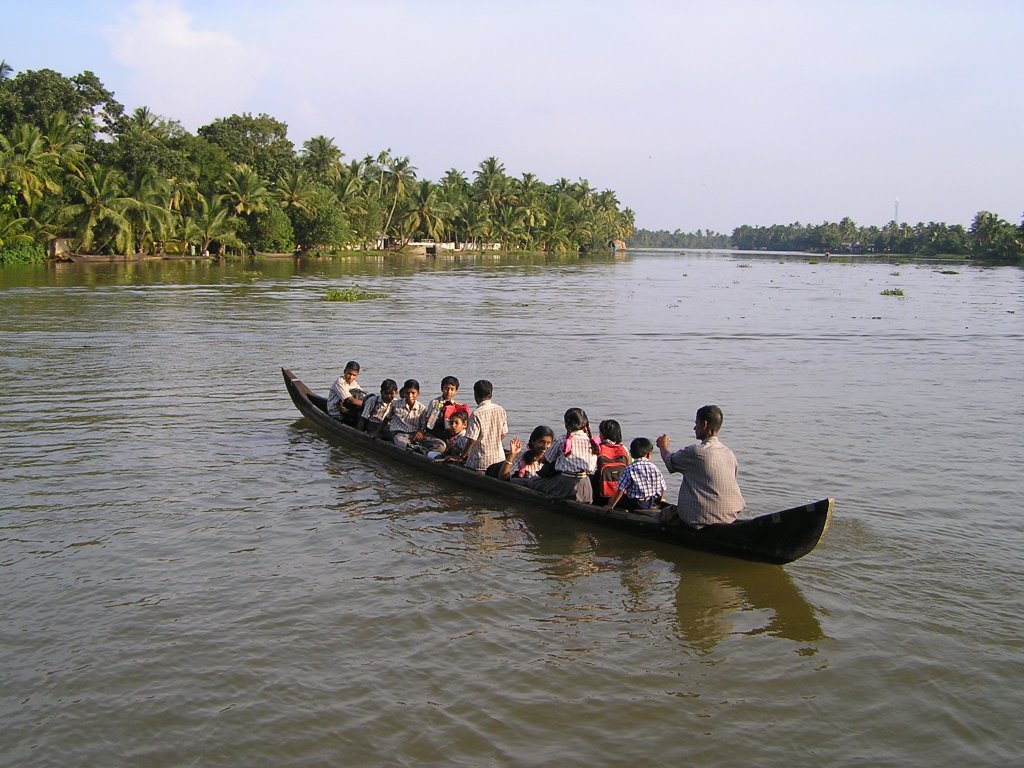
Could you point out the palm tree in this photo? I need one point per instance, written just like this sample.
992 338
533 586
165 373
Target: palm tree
382 161
5 70
295 190
489 168
563 186
26 163
455 180
12 232
627 223
491 183
151 216
245 191
472 222
64 140
992 237
429 212
534 208
510 226
455 192
401 177
582 192
605 217
97 217
557 233
210 222
322 159
145 122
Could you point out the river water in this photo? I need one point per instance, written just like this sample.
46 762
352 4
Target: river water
192 575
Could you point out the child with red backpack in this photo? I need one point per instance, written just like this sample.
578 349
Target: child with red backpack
612 459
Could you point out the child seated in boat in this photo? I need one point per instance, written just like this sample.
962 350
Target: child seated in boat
487 427
438 427
407 416
612 458
456 444
377 408
641 484
521 465
345 400
574 456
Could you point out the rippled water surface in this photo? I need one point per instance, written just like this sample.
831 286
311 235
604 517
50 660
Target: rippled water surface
192 575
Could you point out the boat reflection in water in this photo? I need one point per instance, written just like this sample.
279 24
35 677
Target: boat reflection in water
715 597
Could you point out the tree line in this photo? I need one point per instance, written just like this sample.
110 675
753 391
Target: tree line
662 238
75 164
989 238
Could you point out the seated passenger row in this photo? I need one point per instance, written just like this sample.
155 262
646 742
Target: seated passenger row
574 465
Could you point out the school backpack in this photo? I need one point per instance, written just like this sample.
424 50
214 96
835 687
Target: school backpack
611 462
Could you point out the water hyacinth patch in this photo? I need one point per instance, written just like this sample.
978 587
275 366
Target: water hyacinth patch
352 293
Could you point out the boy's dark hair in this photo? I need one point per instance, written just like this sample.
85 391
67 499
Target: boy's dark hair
483 389
640 447
388 385
411 384
461 416
576 419
609 429
449 380
713 415
352 365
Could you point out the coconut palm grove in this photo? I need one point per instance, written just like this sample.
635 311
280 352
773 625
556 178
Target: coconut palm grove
77 168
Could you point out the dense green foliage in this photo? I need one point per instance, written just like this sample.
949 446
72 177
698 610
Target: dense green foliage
661 238
989 239
22 253
926 239
75 165
269 231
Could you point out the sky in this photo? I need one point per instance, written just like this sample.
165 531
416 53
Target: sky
699 115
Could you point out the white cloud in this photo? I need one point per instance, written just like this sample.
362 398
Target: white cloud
179 69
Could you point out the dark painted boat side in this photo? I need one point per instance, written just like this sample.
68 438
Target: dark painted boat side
778 537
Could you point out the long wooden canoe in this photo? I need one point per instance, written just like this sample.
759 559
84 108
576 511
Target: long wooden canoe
777 537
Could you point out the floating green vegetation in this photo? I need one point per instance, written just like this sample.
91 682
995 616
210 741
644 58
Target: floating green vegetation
22 253
743 266
813 261
352 293
948 272
894 274
892 292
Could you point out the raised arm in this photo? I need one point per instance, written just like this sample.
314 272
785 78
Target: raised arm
664 443
515 445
